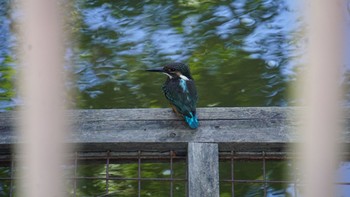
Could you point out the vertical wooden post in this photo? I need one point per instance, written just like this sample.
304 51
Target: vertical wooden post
203 170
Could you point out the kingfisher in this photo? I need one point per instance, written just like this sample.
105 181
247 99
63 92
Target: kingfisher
180 90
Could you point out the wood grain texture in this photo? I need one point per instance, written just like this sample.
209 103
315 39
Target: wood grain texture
239 129
203 170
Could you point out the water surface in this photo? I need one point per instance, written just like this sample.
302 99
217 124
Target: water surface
240 52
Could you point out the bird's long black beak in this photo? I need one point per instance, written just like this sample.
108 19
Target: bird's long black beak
160 69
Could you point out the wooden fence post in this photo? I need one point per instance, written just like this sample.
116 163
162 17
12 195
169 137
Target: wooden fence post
203 170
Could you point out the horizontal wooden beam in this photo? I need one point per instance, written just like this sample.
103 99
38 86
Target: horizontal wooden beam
239 129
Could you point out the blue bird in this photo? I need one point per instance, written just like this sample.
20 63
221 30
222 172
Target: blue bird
180 90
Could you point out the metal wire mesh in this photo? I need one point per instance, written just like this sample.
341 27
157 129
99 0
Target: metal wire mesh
135 171
274 174
260 177
141 173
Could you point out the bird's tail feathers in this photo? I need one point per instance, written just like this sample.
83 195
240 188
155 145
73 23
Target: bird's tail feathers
192 121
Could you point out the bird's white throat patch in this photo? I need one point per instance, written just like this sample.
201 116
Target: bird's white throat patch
184 77
179 74
168 75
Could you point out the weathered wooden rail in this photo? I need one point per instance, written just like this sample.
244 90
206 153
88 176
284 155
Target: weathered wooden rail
221 129
241 129
238 129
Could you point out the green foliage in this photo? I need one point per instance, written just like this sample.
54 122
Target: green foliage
7 90
118 40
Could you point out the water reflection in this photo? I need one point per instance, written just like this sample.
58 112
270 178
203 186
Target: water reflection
237 50
240 52
7 57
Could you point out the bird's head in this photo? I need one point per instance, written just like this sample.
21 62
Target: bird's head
174 70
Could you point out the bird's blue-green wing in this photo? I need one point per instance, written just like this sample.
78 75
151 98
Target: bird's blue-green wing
183 97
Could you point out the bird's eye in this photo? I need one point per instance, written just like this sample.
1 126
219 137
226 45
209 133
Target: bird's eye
171 69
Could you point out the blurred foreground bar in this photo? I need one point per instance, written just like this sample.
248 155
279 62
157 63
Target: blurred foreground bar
237 129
